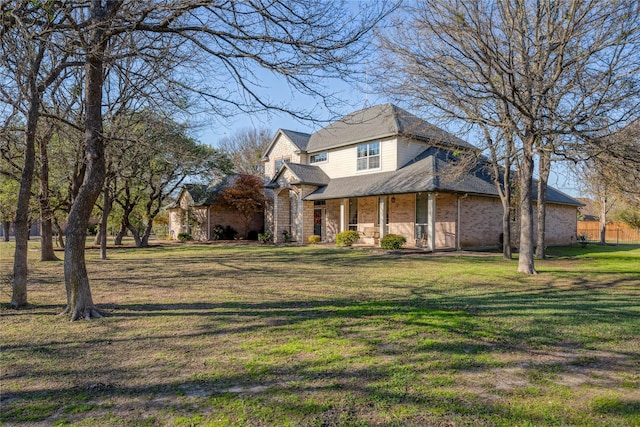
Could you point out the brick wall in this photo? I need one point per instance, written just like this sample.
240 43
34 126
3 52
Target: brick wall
402 216
226 217
561 224
481 221
446 217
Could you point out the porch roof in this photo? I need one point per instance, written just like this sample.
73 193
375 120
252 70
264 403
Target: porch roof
304 174
429 172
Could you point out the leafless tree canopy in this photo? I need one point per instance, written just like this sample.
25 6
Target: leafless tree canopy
180 55
534 71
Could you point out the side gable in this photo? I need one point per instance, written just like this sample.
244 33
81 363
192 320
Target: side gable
297 140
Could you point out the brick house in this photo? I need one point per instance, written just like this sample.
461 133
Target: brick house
197 212
382 170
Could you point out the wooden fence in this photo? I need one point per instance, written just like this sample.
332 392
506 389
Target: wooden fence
617 232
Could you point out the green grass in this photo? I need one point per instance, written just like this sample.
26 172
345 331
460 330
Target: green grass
318 336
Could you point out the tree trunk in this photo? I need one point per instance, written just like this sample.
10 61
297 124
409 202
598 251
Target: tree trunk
135 234
121 233
603 220
46 228
79 300
525 258
544 168
7 227
146 234
21 224
59 232
506 228
102 231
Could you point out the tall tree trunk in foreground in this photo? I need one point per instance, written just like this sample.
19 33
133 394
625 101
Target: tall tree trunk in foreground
525 258
7 227
79 300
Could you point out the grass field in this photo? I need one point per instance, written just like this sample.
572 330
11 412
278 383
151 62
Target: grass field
320 336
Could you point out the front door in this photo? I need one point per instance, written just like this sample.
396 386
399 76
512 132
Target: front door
317 222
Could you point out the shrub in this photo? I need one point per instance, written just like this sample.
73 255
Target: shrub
392 241
183 237
264 237
223 233
347 238
315 239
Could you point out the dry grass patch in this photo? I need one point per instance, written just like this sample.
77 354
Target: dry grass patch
248 335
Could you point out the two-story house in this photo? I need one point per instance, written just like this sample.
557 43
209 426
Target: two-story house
383 170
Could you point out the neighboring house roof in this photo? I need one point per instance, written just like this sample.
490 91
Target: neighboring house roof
304 174
590 210
299 139
378 122
203 194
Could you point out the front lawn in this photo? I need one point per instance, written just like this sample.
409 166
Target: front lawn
324 336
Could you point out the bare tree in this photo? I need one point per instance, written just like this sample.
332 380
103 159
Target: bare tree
30 64
208 50
562 69
611 175
245 148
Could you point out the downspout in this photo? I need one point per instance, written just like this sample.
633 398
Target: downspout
208 223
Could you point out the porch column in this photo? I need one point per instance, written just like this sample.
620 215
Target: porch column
276 221
431 228
382 211
344 205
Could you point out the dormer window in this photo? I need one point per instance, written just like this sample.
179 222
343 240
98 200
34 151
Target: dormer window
369 156
318 158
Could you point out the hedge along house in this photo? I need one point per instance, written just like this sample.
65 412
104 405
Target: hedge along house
198 213
382 171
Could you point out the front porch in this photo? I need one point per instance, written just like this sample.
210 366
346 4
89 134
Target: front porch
427 220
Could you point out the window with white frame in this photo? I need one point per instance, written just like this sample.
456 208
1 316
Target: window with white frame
318 158
368 156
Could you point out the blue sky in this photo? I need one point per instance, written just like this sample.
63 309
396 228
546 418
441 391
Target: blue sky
355 97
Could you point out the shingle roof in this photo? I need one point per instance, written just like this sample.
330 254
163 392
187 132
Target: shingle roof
205 195
300 139
427 172
378 122
305 174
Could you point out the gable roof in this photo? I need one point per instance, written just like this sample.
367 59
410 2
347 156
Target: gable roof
304 174
299 140
377 122
203 194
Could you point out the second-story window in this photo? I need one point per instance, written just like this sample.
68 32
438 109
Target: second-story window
279 162
368 156
317 158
